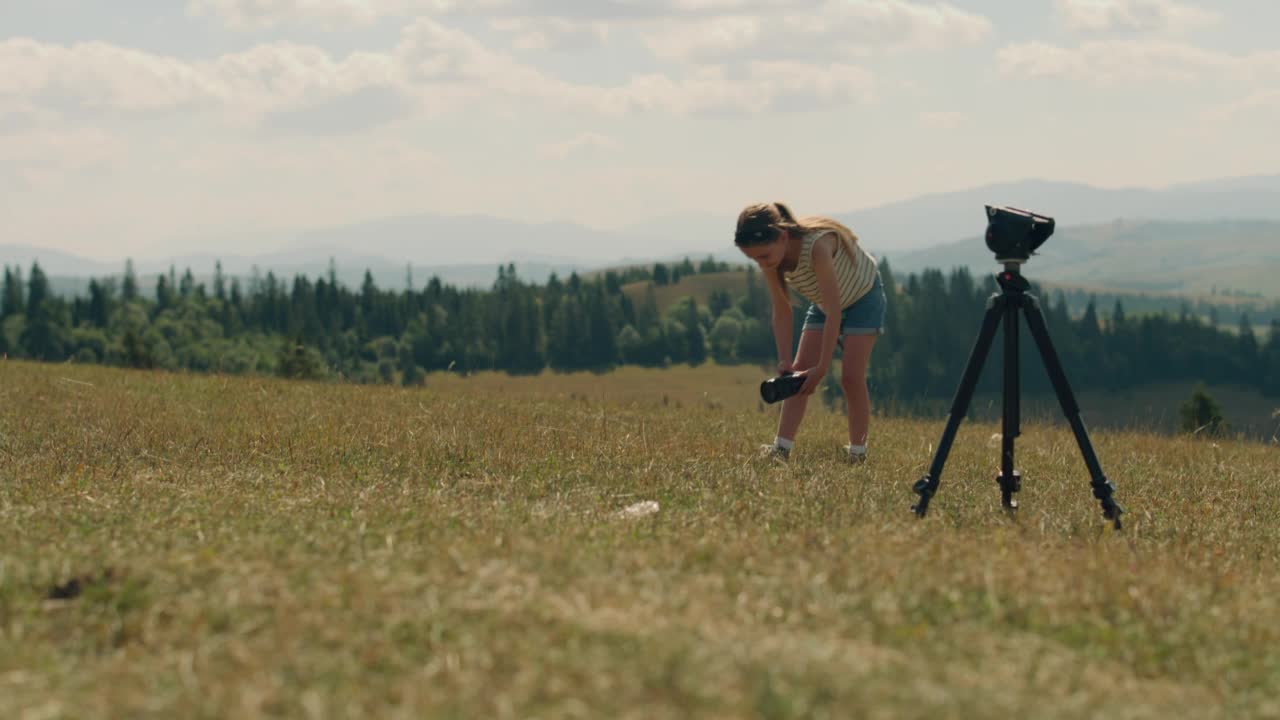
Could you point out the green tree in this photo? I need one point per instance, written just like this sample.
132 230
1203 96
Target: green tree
612 283
386 371
1089 329
11 302
410 374
1201 414
43 336
298 362
647 315
1118 317
100 303
630 344
129 286
569 344
719 301
724 338
164 294
219 282
695 339
1271 360
755 302
604 347
755 342
136 352
37 290
1247 352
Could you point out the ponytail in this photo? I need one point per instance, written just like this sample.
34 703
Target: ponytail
763 222
806 225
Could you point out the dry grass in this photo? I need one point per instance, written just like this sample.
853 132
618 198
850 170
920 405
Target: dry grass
304 550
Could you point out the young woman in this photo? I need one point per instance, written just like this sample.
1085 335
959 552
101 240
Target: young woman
821 259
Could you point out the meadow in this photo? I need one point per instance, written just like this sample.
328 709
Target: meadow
200 546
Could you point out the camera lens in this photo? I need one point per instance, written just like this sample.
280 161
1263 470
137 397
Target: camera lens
768 392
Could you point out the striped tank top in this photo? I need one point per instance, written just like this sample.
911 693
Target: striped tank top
855 274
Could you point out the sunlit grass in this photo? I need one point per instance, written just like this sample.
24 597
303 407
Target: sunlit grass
249 547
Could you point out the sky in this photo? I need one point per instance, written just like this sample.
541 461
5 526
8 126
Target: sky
141 126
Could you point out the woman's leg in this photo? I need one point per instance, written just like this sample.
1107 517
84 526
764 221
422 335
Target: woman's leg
794 406
853 378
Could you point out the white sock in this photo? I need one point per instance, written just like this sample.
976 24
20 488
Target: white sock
857 449
784 443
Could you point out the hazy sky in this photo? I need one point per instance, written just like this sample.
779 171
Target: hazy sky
131 126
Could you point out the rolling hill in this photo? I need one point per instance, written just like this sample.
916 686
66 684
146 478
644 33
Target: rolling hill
931 220
698 287
1166 239
937 218
1187 258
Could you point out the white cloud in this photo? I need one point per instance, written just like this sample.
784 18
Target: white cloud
433 67
332 14
765 86
1259 103
98 75
284 76
677 30
831 29
262 14
1137 15
552 33
798 84
943 119
431 52
715 37
587 143
1115 62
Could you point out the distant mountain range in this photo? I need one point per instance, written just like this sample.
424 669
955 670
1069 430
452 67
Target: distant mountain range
466 250
932 220
70 275
1186 258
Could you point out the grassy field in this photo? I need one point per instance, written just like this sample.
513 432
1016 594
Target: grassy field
1147 408
198 547
698 287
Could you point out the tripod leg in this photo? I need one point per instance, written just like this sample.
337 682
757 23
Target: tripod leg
928 485
1102 488
1011 423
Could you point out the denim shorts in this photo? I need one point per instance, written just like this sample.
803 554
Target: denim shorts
864 317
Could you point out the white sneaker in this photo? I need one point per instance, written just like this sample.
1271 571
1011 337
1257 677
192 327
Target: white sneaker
774 452
855 458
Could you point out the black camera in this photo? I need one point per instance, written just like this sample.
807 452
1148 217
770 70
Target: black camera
1013 234
781 387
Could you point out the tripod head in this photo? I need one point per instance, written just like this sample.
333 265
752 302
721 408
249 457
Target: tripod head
1012 279
1014 234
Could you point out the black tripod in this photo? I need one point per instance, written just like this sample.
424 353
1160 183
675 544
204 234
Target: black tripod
1005 306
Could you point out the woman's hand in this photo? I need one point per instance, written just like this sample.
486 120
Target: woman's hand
785 367
812 379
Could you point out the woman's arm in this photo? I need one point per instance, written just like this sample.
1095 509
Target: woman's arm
829 289
783 326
